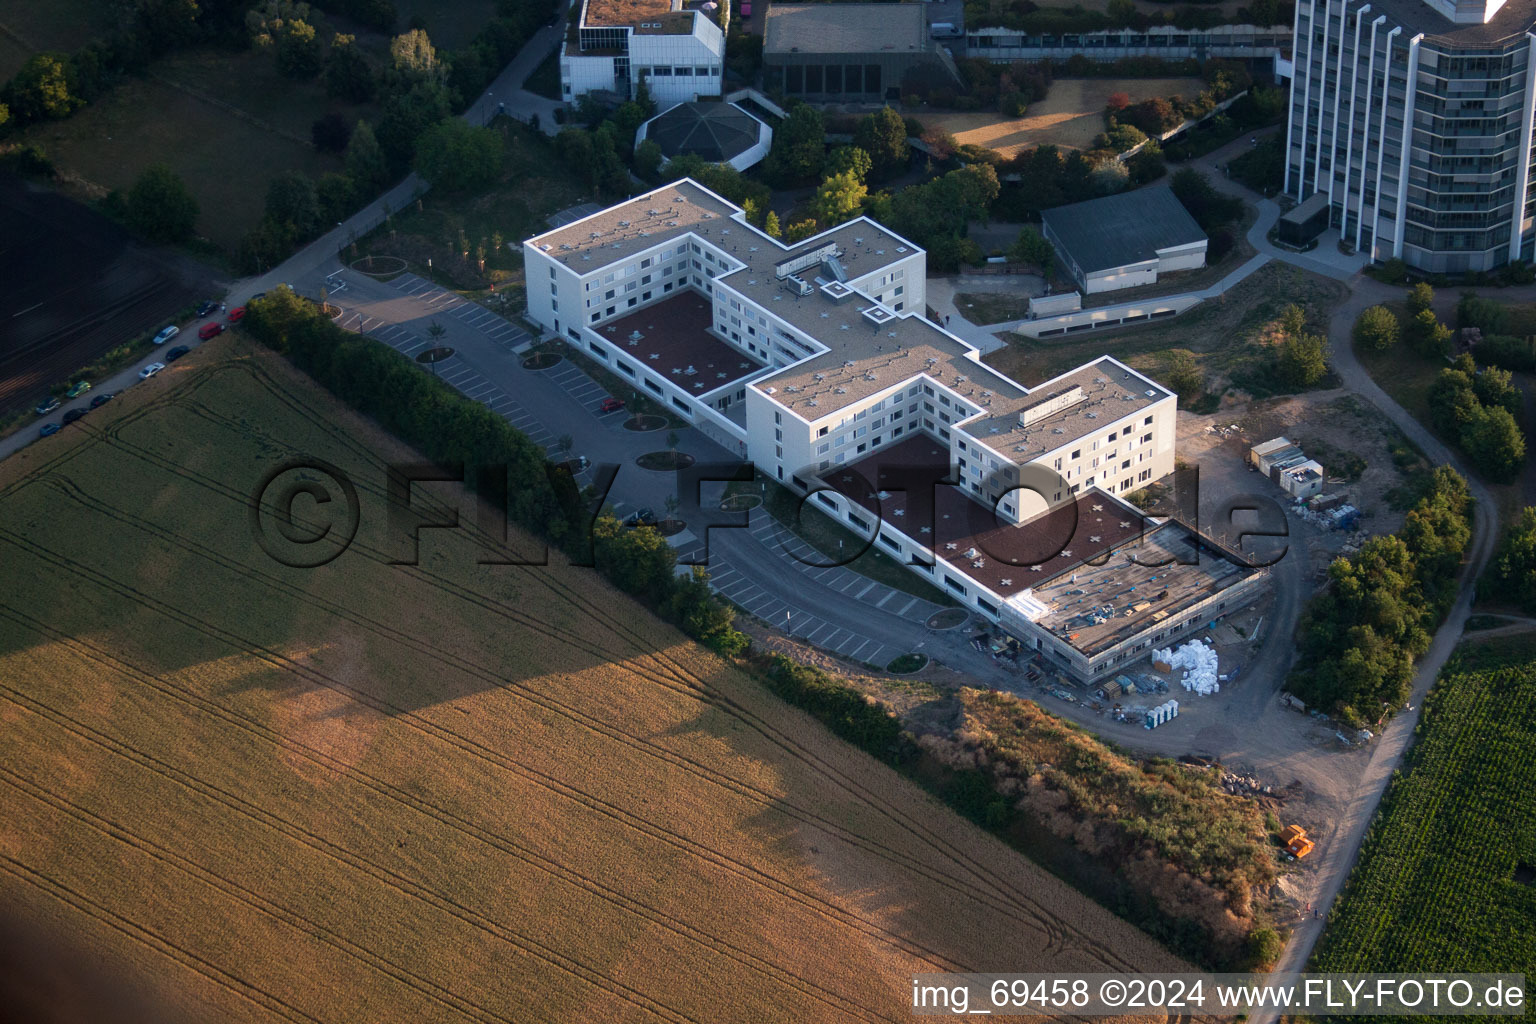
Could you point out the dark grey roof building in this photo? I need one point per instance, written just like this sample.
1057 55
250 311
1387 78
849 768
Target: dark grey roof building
1124 240
850 53
721 133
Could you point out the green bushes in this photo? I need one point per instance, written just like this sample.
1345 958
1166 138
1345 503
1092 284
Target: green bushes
1511 576
450 429
1376 329
860 720
1476 410
1358 639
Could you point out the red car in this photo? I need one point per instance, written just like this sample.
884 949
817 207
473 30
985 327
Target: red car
210 331
236 314
611 405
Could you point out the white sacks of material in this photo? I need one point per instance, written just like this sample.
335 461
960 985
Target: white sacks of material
1198 661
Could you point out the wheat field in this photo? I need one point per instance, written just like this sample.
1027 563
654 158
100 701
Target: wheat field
449 791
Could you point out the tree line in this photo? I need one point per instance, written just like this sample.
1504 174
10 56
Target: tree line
448 429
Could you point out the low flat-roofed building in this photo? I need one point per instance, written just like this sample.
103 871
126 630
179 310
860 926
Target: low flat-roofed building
1124 240
850 53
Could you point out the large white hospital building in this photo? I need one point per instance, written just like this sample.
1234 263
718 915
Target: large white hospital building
816 361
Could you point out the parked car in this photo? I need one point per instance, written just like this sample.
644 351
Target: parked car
236 314
641 517
206 307
258 295
210 331
47 406
79 388
49 429
150 370
72 415
101 400
611 405
176 353
166 334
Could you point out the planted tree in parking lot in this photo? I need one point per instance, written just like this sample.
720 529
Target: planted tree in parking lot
160 207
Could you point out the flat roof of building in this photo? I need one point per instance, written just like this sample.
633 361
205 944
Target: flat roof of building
624 12
845 28
1507 27
1067 564
869 348
1122 229
671 339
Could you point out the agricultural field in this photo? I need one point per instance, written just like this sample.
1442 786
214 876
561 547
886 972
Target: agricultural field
1070 116
440 790
1447 877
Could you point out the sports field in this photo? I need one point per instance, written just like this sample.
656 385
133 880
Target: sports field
380 792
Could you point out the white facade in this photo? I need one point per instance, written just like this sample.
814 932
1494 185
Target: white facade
848 363
680 55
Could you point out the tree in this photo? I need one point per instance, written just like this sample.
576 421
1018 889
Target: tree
1210 208
648 157
845 159
771 225
297 51
365 160
348 75
1376 329
1293 320
160 206
41 90
1153 116
1495 444
1427 335
413 59
800 230
293 203
883 135
406 116
1032 249
574 147
1512 575
1487 315
1183 375
1496 387
838 199
459 157
1303 360
798 145
1420 297
336 195
331 133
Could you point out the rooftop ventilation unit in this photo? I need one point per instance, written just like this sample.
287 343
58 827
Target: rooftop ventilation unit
870 375
793 389
595 234
839 391
818 377
623 223
847 364
812 403
837 291
901 248
1057 430
798 285
1151 394
1092 415
564 247
545 247
878 315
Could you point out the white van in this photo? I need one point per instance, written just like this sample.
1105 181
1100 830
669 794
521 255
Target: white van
944 30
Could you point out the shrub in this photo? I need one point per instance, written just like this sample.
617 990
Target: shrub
1376 329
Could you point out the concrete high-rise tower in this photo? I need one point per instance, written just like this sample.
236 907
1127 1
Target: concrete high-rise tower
1412 119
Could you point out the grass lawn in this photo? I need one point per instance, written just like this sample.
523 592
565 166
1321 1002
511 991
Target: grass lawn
825 534
1231 336
545 79
434 791
1070 116
41 25
991 307
227 162
1445 877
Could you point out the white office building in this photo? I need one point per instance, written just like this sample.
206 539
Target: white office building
816 361
676 48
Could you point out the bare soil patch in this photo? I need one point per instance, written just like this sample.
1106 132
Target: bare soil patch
1070 116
